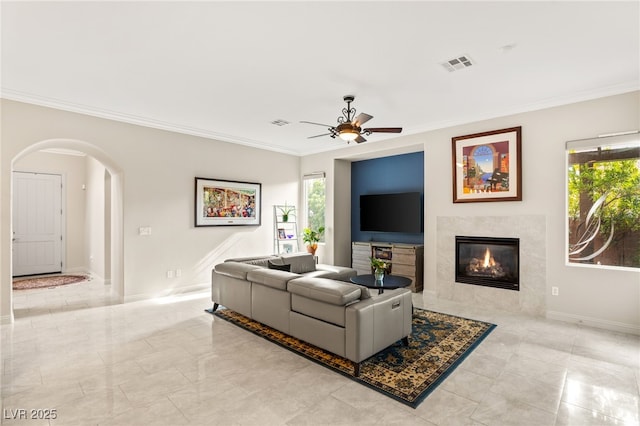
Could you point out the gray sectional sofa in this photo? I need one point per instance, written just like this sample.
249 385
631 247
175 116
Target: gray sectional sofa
314 303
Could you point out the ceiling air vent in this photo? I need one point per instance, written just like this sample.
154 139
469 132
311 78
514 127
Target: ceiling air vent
458 63
280 122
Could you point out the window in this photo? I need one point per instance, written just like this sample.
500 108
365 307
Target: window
604 201
314 201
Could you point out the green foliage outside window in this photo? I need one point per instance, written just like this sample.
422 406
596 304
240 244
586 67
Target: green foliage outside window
618 183
315 203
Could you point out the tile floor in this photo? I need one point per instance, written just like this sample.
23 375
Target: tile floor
167 362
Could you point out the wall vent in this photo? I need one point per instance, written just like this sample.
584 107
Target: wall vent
458 63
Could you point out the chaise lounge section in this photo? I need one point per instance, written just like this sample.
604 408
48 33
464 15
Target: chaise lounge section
317 304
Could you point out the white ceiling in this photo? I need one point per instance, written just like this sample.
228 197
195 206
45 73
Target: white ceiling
226 70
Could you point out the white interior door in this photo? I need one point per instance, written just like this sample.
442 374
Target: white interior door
37 223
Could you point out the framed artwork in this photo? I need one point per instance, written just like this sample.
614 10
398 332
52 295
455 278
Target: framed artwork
487 166
281 234
225 202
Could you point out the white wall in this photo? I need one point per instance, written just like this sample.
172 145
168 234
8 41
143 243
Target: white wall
158 170
95 254
602 297
72 168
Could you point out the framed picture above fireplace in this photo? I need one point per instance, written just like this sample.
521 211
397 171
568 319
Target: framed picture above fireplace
487 166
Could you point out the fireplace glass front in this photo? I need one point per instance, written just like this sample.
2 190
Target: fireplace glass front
488 261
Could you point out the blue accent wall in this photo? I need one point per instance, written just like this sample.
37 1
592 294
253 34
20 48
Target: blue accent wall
399 173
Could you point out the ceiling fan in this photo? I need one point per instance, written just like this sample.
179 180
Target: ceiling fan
349 126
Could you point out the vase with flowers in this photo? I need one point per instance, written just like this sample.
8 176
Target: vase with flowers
379 267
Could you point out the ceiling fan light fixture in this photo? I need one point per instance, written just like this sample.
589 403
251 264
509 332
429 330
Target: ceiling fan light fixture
349 134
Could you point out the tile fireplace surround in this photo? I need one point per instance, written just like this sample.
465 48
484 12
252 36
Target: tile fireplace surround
533 275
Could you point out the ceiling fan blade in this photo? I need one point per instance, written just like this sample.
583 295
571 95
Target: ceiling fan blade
318 136
317 124
361 119
360 139
383 130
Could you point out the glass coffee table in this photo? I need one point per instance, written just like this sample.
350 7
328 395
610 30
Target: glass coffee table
389 282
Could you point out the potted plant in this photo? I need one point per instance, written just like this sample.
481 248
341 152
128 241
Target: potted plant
286 211
379 266
311 238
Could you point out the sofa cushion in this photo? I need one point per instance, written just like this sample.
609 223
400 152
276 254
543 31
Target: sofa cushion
271 277
318 273
325 290
279 267
300 262
235 269
261 261
323 273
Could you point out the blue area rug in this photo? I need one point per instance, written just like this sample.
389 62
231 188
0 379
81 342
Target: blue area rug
437 345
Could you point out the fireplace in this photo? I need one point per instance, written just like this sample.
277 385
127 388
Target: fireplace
488 261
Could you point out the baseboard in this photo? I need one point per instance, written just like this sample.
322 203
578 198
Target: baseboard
167 293
94 276
595 322
6 319
430 294
76 270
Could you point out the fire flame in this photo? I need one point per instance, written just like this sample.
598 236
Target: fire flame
488 260
485 267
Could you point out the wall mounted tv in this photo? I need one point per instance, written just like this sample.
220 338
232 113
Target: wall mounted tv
400 212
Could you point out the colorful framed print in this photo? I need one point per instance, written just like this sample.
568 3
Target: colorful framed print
487 166
225 202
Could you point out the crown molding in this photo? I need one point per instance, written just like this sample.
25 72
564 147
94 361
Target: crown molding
15 95
557 101
19 96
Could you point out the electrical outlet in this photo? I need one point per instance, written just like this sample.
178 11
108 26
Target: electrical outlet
554 291
169 274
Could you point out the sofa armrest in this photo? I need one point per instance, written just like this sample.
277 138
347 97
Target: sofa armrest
325 290
376 323
341 273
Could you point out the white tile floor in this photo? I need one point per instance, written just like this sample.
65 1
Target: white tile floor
167 362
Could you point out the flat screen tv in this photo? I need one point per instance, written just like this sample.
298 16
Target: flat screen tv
400 212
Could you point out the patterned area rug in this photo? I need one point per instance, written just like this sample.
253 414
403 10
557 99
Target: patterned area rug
438 344
47 282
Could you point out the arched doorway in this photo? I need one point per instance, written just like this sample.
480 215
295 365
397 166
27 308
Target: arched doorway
113 226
